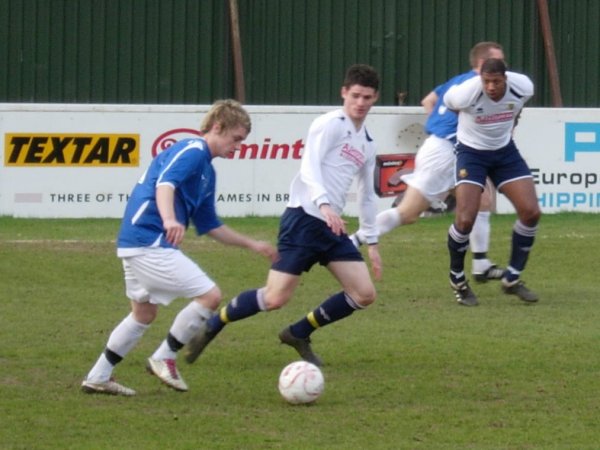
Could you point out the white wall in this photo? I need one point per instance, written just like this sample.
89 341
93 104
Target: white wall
60 160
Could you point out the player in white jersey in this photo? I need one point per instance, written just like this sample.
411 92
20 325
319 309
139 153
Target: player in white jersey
488 107
338 150
433 175
177 188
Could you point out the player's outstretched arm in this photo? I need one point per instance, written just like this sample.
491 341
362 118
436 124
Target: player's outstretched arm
228 236
428 102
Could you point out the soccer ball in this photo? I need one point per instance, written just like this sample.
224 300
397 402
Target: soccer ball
301 382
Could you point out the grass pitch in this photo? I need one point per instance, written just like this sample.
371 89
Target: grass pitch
413 371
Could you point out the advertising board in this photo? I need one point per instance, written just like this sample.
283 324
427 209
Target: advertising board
74 161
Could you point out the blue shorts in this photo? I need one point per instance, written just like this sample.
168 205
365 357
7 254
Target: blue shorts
305 240
502 166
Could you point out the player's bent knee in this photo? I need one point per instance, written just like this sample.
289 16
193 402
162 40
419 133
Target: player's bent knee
486 204
273 302
463 225
367 301
410 213
530 216
144 312
211 299
536 217
409 219
365 298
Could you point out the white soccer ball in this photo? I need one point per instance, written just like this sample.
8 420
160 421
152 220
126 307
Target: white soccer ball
301 382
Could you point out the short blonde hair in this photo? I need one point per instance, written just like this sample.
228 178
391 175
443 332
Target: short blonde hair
228 113
481 50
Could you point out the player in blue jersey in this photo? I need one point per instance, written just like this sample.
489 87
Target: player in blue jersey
177 188
338 151
433 176
488 107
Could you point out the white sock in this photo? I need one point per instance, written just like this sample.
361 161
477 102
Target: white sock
122 339
480 234
101 372
385 221
164 352
388 220
480 241
260 299
185 326
480 265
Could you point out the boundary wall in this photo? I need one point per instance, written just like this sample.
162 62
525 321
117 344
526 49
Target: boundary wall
77 161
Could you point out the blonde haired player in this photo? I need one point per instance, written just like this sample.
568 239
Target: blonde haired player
178 188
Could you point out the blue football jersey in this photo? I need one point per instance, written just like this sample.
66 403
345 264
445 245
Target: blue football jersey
187 166
442 122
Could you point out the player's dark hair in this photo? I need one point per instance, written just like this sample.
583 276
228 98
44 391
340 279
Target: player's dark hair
363 75
493 65
481 50
228 113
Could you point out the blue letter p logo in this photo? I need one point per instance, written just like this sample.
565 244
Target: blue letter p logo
581 137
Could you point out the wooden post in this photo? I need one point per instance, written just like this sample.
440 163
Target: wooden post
550 55
238 67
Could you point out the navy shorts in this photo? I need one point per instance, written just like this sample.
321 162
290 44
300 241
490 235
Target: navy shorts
502 166
305 240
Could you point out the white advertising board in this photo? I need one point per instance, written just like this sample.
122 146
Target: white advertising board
82 160
562 149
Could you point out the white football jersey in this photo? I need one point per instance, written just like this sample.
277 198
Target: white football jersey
484 124
334 154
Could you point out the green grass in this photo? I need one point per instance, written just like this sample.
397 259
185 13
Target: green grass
413 371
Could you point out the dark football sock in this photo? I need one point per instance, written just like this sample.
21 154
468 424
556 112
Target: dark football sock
335 308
